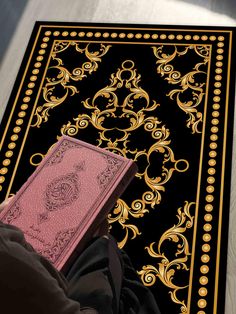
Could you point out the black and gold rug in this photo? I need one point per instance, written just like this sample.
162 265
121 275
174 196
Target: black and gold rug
162 96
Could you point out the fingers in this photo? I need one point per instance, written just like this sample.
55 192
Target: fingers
6 202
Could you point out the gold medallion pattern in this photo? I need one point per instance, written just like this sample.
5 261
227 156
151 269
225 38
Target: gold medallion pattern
136 115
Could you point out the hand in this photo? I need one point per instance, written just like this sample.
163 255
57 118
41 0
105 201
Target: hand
6 202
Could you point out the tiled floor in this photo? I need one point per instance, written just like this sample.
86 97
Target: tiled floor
126 11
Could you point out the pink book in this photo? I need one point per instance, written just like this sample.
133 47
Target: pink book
66 198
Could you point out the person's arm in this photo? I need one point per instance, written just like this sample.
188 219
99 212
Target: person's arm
28 282
27 289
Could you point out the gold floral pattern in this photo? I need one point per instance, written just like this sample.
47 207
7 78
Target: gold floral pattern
133 110
191 91
64 77
166 268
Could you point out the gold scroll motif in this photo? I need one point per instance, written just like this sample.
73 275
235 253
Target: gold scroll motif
167 268
134 112
62 80
190 93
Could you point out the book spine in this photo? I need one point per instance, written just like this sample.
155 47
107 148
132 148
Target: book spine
130 170
118 191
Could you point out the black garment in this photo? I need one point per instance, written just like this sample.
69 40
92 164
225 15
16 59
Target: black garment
101 280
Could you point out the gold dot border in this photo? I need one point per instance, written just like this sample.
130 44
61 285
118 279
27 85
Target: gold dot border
209 208
211 171
23 108
137 35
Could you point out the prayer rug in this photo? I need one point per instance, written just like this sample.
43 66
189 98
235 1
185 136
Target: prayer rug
162 96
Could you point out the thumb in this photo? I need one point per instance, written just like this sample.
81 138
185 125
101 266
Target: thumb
6 202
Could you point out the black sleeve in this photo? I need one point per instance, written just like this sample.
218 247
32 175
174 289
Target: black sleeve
28 282
26 290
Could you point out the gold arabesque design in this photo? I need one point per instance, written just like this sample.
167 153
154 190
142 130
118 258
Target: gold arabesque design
187 82
166 268
127 77
135 116
64 77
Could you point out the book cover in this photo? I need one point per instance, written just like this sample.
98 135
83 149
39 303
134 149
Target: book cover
68 195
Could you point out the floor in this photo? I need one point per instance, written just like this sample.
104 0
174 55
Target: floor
187 12
10 13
